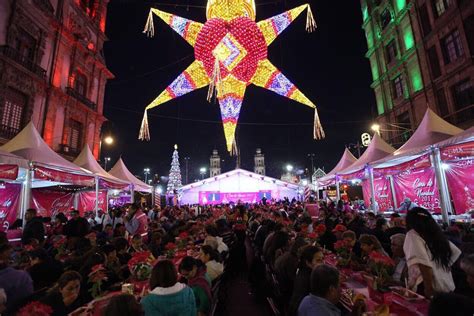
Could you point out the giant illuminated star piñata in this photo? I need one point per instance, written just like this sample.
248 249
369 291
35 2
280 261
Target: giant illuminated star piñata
230 53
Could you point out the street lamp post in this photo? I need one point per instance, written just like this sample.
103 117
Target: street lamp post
106 160
146 171
186 160
202 171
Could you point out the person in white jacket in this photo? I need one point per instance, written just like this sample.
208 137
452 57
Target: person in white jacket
429 254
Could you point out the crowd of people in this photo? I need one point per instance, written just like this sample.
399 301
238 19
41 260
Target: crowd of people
65 262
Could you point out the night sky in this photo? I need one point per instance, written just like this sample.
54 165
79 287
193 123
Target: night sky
328 66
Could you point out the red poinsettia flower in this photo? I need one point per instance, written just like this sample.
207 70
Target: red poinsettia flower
170 246
35 308
321 229
183 235
377 257
313 235
60 241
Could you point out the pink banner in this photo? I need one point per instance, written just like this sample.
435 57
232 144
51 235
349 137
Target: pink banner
461 185
216 197
419 186
87 201
61 176
9 172
458 151
9 202
383 194
420 162
49 202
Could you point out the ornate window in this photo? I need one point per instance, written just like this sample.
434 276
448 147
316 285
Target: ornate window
13 107
80 84
75 136
398 87
452 47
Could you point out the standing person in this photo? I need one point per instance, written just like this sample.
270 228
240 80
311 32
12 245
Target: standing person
34 228
77 226
136 221
407 205
325 293
167 295
429 254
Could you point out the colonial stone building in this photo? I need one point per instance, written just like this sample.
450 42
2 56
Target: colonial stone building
53 72
421 55
214 164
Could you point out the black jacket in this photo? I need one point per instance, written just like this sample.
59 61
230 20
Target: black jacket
301 288
33 229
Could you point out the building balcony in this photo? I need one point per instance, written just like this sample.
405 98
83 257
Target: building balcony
76 95
8 132
14 55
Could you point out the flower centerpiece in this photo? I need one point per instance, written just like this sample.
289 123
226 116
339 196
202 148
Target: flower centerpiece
182 240
343 250
59 243
381 266
35 308
312 237
170 250
140 265
97 275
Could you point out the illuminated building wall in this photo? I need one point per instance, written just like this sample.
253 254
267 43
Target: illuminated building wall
420 55
52 71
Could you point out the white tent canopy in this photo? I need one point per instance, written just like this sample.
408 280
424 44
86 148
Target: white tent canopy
432 129
464 137
8 158
377 149
87 161
29 145
119 170
346 160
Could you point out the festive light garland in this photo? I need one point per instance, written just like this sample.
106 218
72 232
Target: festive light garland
230 54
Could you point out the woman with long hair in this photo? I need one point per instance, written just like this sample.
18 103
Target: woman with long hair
429 254
65 297
168 296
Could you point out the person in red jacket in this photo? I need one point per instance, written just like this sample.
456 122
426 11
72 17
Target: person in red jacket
136 222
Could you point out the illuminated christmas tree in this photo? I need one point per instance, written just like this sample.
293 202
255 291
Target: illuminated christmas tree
174 182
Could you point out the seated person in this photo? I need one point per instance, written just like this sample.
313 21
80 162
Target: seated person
325 293
401 268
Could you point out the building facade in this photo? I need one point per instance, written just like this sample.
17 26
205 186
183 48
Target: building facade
421 55
259 162
53 72
214 164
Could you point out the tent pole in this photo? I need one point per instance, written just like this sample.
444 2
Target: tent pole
446 207
96 196
132 193
372 189
392 189
338 190
26 192
76 200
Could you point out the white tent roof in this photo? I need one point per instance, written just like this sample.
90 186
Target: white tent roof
377 149
346 160
87 161
432 129
120 171
246 173
11 159
464 137
29 145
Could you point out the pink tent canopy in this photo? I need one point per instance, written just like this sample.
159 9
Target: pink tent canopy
87 161
463 137
120 171
29 145
432 129
346 160
377 149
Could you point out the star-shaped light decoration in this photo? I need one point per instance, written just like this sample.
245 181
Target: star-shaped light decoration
230 53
